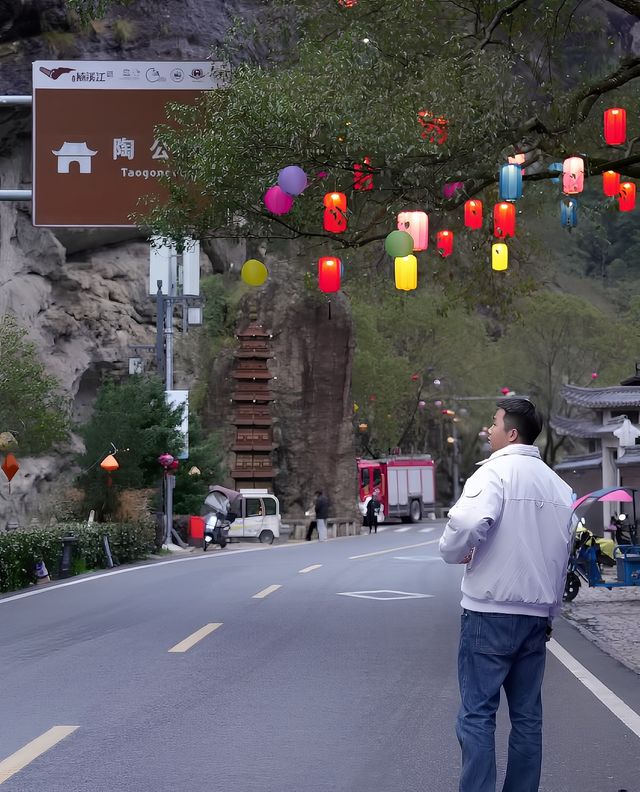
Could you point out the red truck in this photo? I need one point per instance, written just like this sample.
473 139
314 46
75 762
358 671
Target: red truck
406 486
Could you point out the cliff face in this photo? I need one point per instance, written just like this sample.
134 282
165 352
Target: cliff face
82 294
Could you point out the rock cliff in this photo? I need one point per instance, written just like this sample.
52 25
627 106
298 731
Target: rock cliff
82 294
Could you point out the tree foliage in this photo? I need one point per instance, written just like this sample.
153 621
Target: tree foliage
31 405
133 416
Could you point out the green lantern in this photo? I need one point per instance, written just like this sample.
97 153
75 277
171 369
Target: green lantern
398 244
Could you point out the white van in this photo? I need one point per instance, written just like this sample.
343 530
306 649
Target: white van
259 518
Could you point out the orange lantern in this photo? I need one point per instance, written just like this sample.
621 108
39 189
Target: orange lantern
109 463
610 183
10 466
416 224
615 126
329 274
504 220
335 212
362 175
473 214
444 241
627 197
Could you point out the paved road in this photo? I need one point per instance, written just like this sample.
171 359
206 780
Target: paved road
301 689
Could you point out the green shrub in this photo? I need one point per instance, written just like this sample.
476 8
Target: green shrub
20 551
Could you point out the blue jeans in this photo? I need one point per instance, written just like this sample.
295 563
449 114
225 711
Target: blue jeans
500 650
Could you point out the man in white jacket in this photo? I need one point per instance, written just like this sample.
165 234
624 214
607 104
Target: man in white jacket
512 529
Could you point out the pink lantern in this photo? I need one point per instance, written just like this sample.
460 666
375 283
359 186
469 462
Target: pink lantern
573 175
416 224
422 404
277 201
166 460
450 188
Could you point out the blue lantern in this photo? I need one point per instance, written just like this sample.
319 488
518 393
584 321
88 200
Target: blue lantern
555 167
569 212
510 182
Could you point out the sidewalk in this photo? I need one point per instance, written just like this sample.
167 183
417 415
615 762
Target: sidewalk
611 619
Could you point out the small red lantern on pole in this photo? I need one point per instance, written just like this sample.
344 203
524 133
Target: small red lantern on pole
615 126
473 214
444 240
627 197
335 213
504 220
10 467
610 183
329 274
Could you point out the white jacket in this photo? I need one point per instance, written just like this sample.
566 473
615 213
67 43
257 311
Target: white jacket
515 515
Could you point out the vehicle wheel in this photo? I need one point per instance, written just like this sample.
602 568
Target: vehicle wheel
415 512
266 537
204 545
571 587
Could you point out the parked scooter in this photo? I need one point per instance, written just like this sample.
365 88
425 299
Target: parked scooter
218 518
625 530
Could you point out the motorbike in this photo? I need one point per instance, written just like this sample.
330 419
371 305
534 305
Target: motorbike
218 517
625 530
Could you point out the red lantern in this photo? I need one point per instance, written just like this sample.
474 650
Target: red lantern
347 3
473 214
329 274
627 197
435 129
615 126
10 466
416 224
444 241
504 220
610 183
362 175
335 217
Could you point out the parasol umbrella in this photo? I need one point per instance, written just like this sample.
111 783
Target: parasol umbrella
620 494
223 499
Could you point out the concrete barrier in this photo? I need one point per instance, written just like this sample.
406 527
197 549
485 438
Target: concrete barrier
336 526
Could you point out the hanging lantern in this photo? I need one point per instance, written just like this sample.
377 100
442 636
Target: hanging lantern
363 427
335 217
499 256
434 129
573 175
517 160
615 126
406 272
569 212
416 224
510 187
109 463
504 220
555 167
473 214
254 272
444 240
292 179
627 197
165 460
362 175
277 201
329 274
10 466
610 183
398 243
422 404
451 188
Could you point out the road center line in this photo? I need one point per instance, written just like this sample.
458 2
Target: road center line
402 530
394 549
25 755
265 592
193 639
309 569
613 703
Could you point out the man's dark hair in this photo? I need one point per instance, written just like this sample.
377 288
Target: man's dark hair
521 414
318 492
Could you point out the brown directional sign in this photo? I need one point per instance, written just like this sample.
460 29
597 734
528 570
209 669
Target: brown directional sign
95 155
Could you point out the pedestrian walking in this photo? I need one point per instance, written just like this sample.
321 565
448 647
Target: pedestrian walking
373 507
511 527
321 506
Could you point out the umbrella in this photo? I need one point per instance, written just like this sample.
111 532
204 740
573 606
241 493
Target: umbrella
621 494
218 495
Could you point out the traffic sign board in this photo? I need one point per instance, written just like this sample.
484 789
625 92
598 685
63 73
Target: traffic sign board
95 152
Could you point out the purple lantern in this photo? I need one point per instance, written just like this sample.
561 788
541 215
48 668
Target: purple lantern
422 404
166 460
277 201
449 189
292 179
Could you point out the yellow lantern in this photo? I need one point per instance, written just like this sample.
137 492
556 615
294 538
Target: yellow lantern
499 257
406 271
254 272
